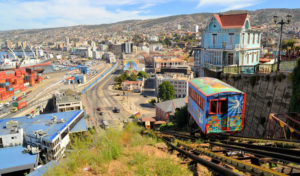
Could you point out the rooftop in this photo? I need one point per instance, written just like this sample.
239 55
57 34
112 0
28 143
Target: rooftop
210 86
168 60
13 159
40 171
177 76
67 99
171 105
80 126
231 20
42 122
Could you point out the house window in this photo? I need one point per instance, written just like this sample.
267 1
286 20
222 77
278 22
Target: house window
248 38
253 38
252 57
243 38
230 58
215 40
231 38
223 106
257 56
247 61
257 38
213 106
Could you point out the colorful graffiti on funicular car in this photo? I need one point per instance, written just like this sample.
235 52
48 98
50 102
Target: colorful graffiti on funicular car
229 105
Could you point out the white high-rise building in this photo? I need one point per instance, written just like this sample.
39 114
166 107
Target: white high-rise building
178 27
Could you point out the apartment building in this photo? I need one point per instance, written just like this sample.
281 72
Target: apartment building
160 63
63 103
178 80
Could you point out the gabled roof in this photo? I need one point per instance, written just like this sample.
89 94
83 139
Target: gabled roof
231 20
171 105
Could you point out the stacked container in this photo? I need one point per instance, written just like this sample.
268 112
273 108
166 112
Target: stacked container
15 81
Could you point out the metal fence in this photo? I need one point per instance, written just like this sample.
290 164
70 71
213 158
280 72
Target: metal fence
285 66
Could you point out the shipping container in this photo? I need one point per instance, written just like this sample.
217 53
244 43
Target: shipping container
22 105
15 104
16 92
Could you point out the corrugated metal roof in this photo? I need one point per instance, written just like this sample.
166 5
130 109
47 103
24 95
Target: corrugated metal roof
210 86
40 171
41 122
13 158
80 126
168 106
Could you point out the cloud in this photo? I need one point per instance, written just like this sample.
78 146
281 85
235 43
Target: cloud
228 4
16 14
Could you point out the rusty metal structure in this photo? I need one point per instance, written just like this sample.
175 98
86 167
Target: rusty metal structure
283 126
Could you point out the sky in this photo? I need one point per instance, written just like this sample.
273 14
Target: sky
32 14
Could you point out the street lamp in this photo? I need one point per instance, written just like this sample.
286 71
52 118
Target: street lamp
281 22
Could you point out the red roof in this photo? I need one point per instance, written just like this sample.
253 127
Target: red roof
232 20
149 119
263 60
131 82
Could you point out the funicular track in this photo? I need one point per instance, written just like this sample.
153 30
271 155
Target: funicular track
248 155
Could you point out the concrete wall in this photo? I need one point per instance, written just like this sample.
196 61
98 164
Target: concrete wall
265 97
12 139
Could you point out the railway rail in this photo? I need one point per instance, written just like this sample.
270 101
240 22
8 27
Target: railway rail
256 153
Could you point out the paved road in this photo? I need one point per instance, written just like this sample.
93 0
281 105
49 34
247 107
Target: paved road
99 95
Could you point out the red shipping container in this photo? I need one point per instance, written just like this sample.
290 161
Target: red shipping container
32 83
23 89
22 105
2 90
19 98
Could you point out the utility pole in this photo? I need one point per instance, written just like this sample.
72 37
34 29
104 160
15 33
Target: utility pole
281 22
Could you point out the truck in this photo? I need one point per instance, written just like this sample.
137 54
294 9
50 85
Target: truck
19 98
14 109
22 105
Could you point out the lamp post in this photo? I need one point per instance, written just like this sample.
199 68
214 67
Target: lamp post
281 22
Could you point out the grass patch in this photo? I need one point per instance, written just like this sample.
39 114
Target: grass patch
114 152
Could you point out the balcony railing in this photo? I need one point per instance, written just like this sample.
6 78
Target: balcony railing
245 69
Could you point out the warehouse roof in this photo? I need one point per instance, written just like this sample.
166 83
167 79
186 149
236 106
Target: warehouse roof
44 123
13 159
80 126
40 171
211 86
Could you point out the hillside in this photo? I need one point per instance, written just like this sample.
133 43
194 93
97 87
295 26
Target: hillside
158 25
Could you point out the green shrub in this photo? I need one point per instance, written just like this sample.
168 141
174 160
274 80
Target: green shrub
253 81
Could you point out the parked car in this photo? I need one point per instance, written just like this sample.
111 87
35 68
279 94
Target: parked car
104 124
14 109
116 109
99 109
101 113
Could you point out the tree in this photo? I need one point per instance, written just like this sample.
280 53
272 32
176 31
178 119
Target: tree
142 74
125 76
167 42
118 80
288 44
133 77
181 118
295 99
166 91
